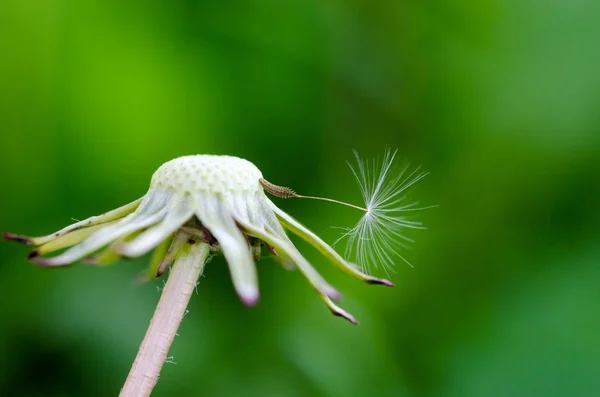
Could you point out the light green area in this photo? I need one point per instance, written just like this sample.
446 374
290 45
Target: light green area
499 100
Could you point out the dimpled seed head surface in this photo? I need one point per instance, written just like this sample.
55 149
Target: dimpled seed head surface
208 174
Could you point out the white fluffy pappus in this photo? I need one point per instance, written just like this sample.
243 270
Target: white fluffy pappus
378 237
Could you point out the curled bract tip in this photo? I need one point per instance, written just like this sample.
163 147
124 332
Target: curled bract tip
346 315
45 262
380 281
18 238
249 298
338 311
162 268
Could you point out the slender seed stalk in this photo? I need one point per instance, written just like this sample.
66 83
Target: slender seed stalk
171 308
333 201
286 192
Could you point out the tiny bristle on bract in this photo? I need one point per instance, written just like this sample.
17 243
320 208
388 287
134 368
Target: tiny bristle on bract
379 236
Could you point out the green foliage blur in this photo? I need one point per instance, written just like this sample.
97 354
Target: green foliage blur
499 100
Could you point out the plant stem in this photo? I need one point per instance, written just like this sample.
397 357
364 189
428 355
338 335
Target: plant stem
168 315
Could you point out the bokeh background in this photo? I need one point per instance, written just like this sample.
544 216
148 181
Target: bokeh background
499 100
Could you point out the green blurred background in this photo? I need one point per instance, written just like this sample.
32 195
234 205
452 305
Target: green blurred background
499 100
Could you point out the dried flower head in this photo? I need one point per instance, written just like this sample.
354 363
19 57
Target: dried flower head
221 200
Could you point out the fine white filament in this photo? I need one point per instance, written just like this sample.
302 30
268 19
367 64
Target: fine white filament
378 237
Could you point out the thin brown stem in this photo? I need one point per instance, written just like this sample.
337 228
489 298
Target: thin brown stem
168 315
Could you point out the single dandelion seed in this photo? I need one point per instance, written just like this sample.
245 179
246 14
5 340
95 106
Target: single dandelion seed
378 237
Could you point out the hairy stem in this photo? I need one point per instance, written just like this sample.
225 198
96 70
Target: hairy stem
167 317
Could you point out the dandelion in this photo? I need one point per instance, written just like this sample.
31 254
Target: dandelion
206 203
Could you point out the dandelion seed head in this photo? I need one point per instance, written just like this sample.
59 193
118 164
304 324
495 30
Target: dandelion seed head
208 174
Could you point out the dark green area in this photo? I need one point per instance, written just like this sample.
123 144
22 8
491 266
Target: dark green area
499 100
